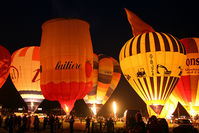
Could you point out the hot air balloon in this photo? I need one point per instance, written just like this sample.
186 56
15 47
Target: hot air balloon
152 63
187 89
25 75
106 76
5 61
66 61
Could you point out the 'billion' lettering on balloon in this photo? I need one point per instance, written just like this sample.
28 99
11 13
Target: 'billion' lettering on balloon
67 65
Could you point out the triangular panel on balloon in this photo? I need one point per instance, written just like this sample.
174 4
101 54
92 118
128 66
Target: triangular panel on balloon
157 108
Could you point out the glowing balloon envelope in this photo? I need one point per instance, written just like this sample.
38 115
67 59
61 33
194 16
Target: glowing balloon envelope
106 76
152 63
25 75
66 61
187 89
5 61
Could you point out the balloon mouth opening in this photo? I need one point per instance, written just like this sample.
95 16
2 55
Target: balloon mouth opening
32 107
66 109
67 106
95 108
157 108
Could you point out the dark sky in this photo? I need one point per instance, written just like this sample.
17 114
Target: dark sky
21 20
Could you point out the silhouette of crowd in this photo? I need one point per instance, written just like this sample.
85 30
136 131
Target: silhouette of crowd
157 125
19 123
31 123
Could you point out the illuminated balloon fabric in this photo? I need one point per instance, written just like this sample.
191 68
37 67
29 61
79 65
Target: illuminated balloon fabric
152 63
168 108
66 61
5 61
187 89
106 76
25 75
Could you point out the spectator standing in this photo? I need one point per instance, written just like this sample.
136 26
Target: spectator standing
10 124
139 125
1 120
71 124
153 126
32 118
28 122
51 121
25 120
15 121
45 122
131 122
19 122
88 120
110 126
36 124
93 126
7 122
164 125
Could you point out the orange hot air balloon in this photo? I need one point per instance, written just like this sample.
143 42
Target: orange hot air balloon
5 61
25 75
152 63
66 61
106 76
187 89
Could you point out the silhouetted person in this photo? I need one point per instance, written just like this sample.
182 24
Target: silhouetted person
28 123
15 121
1 119
88 124
25 120
164 125
100 122
10 124
51 121
45 122
71 124
110 126
19 122
153 126
36 124
131 122
57 123
139 125
106 122
93 126
6 122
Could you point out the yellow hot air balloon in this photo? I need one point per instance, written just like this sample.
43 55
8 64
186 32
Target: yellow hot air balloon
152 63
106 76
25 75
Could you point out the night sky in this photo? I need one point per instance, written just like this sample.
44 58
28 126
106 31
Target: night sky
20 26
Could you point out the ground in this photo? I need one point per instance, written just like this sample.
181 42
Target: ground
78 128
